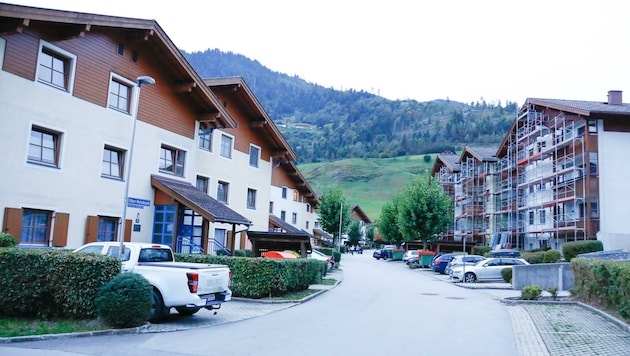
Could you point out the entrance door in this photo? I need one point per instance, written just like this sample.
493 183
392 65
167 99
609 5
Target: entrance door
190 232
164 224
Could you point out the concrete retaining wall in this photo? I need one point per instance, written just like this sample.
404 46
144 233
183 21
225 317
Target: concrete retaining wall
544 275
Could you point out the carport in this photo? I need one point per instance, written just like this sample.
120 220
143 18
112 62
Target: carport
263 241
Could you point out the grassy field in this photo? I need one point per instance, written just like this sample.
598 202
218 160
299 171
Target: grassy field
370 183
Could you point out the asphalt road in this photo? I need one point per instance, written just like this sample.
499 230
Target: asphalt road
378 308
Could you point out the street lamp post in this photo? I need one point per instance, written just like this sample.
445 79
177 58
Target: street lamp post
121 237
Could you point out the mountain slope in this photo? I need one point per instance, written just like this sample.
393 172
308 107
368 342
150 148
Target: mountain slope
323 124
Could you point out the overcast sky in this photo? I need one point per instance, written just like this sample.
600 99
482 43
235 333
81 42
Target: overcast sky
463 50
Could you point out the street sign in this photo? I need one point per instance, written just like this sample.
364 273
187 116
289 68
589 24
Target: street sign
138 203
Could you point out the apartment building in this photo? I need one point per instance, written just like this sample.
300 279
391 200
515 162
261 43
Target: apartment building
558 176
97 109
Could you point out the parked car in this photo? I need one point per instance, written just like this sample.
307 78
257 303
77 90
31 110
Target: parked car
440 263
460 260
504 252
409 254
317 255
386 252
485 270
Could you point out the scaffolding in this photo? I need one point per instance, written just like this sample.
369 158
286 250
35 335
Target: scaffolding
470 201
542 193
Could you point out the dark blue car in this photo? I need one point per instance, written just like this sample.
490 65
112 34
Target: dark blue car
439 264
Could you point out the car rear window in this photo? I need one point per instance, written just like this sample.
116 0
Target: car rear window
155 255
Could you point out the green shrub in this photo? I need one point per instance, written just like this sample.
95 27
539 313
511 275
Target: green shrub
125 301
481 250
337 257
553 291
531 292
243 253
552 256
571 249
506 273
6 240
533 257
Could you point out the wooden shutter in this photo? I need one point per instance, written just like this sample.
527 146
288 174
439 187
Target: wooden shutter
128 226
13 222
91 229
60 234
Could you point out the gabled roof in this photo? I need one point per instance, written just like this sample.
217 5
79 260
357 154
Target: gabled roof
449 160
483 154
361 214
193 198
148 33
257 115
585 108
276 222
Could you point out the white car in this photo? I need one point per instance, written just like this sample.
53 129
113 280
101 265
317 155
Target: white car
485 270
322 257
409 254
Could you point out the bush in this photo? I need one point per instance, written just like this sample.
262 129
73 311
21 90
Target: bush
531 293
533 257
570 250
6 240
243 253
553 291
506 273
552 256
481 250
125 301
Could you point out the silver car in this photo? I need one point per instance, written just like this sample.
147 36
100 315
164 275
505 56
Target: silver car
485 270
460 260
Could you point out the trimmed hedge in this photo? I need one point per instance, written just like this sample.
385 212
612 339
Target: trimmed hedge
603 282
571 249
264 277
6 240
481 250
125 301
47 283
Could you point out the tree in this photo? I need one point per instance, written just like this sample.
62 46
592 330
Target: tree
354 232
333 210
424 210
388 222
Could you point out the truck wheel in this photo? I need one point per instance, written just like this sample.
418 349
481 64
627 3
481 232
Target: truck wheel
158 311
187 311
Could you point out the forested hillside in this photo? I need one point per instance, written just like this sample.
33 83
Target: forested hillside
323 124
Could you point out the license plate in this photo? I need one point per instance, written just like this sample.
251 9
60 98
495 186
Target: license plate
210 299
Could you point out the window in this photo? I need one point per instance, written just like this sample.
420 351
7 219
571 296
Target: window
543 216
592 126
226 146
307 224
107 228
205 139
283 215
308 208
202 184
251 198
35 227
44 146
254 156
55 67
594 208
592 162
112 164
531 218
294 218
172 160
284 192
296 195
270 207
119 95
222 191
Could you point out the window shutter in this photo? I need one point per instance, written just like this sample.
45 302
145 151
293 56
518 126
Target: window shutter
91 229
13 222
128 226
60 235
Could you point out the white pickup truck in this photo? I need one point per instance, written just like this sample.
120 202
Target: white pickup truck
187 287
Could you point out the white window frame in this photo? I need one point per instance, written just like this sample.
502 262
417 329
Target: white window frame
224 135
132 92
72 65
257 157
